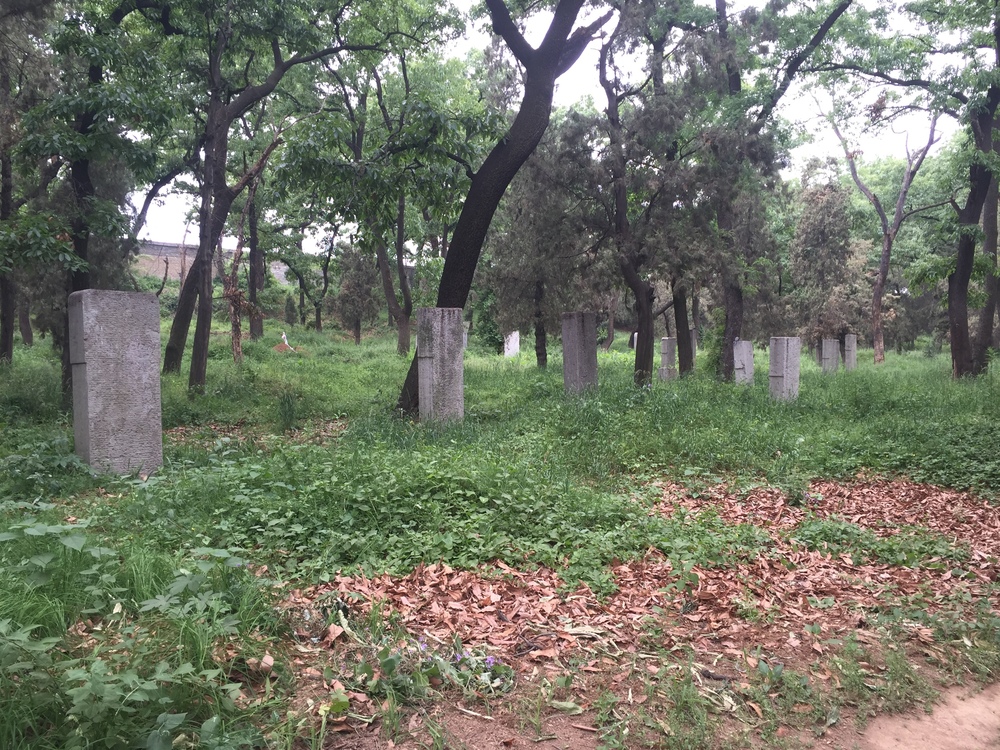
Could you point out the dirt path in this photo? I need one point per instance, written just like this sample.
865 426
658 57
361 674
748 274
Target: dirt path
962 720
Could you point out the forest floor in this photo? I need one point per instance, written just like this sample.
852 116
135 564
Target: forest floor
798 648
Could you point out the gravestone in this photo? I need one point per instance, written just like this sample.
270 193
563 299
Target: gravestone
830 356
743 362
850 351
512 344
114 351
440 345
668 359
783 375
579 340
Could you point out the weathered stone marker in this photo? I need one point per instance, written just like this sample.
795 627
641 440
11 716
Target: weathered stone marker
440 347
512 344
743 362
783 376
850 352
668 359
114 352
830 356
579 340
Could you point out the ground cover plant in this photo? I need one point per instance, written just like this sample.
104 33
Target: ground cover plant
685 565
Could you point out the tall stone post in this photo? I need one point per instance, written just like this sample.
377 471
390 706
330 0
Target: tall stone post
512 344
579 340
830 356
114 351
440 346
743 362
668 359
784 367
850 351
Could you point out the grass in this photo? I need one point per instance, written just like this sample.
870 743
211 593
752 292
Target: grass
127 603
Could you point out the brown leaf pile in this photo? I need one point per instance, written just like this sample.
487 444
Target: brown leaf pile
765 603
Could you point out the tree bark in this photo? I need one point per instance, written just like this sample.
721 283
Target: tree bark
541 337
733 328
399 312
980 178
7 286
685 353
257 274
7 313
984 334
543 65
612 309
24 320
630 258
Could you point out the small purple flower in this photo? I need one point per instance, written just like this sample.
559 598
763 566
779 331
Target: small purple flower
490 662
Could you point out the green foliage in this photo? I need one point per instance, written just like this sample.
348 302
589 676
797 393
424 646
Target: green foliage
487 330
908 547
147 673
30 388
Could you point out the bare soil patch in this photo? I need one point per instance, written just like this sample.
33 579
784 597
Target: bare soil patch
963 719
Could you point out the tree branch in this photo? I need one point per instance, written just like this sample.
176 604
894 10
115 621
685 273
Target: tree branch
795 63
504 27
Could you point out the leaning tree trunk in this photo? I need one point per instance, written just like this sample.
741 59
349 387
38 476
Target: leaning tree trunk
542 66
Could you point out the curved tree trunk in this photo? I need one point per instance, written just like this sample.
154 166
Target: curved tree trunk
542 66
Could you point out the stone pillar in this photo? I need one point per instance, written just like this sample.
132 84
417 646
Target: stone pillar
743 362
579 340
440 344
850 351
114 351
830 356
784 367
512 344
668 359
